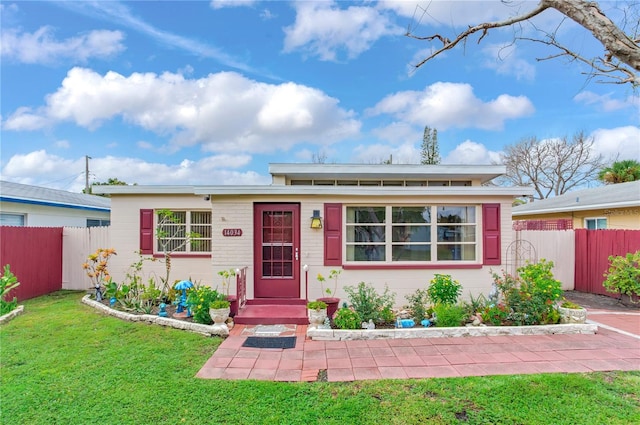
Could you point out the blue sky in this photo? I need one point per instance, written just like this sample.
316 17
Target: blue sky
211 92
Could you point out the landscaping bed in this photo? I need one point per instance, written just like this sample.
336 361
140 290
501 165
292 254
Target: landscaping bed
187 325
319 334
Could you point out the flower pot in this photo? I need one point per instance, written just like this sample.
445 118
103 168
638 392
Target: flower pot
316 317
332 305
233 299
572 315
219 315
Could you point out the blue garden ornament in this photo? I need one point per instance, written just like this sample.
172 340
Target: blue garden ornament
183 285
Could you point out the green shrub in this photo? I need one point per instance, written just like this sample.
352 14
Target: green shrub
200 299
368 303
449 315
530 296
495 315
316 305
7 282
346 318
418 303
443 289
623 275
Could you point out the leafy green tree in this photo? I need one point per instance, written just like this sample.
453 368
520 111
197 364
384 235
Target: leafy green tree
113 181
627 170
430 153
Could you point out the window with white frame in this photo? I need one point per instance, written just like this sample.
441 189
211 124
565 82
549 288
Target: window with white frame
7 219
389 234
183 231
97 222
595 223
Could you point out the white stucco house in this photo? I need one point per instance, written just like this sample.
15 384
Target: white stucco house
394 225
35 206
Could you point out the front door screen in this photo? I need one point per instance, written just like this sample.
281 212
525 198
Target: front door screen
277 244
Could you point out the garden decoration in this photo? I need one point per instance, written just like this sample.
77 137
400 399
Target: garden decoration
330 299
163 310
183 285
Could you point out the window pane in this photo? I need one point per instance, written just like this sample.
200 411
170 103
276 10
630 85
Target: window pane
456 252
11 219
456 233
411 214
365 214
365 234
455 214
602 223
590 224
365 253
411 233
411 252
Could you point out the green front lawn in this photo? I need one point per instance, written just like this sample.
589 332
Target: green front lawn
64 363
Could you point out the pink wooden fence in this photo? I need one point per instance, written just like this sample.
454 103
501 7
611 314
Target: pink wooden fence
593 248
35 257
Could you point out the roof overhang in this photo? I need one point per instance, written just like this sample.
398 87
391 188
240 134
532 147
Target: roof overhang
484 173
603 206
143 190
361 191
53 204
354 191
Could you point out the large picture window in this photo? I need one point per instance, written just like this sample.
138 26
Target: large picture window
183 231
410 234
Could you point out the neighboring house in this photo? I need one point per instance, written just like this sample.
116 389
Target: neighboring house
394 225
34 206
614 206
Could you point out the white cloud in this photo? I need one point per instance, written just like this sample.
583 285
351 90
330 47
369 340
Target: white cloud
41 47
219 4
398 133
446 13
605 102
505 60
40 168
62 144
469 152
447 105
225 112
323 29
406 153
617 143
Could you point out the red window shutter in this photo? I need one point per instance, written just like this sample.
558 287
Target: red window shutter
491 245
332 234
146 231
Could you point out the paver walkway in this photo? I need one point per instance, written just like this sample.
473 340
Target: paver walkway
616 346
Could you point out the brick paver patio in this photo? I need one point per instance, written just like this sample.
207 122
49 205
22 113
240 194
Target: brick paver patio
616 346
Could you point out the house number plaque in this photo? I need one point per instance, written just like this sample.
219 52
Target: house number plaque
231 232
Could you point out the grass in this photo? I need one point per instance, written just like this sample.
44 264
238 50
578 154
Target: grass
63 363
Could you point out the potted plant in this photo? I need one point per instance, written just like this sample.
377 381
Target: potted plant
219 311
226 276
331 300
316 312
571 312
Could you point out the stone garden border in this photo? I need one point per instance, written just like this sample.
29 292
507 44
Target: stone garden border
318 334
208 330
10 315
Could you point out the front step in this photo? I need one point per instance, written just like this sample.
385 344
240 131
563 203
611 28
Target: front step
272 314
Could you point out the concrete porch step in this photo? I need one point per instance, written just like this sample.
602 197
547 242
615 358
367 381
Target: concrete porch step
272 314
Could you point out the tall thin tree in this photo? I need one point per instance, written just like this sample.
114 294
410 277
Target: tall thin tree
430 153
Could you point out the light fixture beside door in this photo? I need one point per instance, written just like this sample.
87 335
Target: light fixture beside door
316 220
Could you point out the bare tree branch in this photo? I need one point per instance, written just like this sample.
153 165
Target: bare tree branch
621 54
552 167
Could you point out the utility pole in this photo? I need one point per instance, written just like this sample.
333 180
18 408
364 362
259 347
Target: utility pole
86 174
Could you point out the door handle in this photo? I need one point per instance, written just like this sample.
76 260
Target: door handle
297 254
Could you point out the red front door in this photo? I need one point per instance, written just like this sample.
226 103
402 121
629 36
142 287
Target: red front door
276 250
